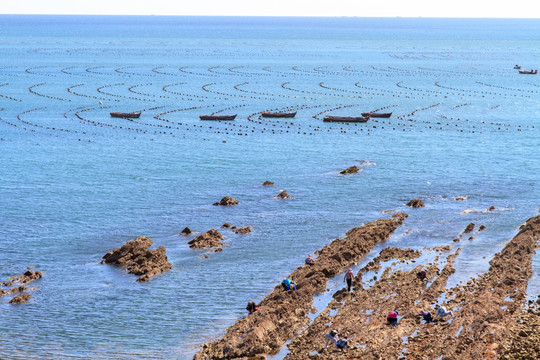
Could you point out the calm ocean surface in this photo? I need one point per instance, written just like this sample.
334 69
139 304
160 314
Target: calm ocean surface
75 183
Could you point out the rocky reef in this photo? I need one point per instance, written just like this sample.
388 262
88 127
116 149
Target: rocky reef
282 314
138 259
186 231
22 279
283 195
227 201
210 239
489 323
350 170
416 203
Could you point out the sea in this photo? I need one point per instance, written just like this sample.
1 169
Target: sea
76 183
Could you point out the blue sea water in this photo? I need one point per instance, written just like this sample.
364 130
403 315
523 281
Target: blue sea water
75 183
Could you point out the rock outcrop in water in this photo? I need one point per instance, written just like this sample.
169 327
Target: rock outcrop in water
186 231
138 259
210 239
416 203
283 195
469 228
267 183
282 314
25 278
243 231
350 170
20 299
227 201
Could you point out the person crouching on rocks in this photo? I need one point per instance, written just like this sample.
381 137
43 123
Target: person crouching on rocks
288 284
332 336
392 317
310 260
349 276
426 316
251 307
421 275
442 312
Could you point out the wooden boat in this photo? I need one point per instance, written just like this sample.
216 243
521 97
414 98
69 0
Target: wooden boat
133 115
332 118
377 115
528 72
278 114
217 117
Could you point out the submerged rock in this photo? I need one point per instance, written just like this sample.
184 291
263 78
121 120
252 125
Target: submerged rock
227 201
350 170
226 225
283 195
186 231
210 239
416 203
138 259
482 228
267 183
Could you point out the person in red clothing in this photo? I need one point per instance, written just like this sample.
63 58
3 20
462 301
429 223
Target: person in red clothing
349 276
252 307
392 317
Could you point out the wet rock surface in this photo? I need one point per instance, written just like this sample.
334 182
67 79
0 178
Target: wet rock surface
20 299
489 320
138 259
416 203
227 201
282 314
350 170
267 183
283 195
210 239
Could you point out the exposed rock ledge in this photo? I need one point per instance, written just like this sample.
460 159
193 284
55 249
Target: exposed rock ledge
138 259
210 239
282 314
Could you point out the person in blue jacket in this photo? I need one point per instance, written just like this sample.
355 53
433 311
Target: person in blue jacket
288 284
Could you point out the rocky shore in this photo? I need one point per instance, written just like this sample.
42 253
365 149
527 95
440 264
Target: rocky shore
283 314
490 321
138 259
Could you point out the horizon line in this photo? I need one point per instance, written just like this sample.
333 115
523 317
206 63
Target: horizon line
285 16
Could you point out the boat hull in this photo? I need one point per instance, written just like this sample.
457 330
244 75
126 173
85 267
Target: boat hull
377 115
217 117
131 115
278 115
348 119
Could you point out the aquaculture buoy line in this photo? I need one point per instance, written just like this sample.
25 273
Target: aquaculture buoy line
294 94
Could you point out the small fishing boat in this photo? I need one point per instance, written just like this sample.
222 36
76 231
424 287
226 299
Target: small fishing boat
377 115
357 119
124 115
532 72
278 114
217 117
517 67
